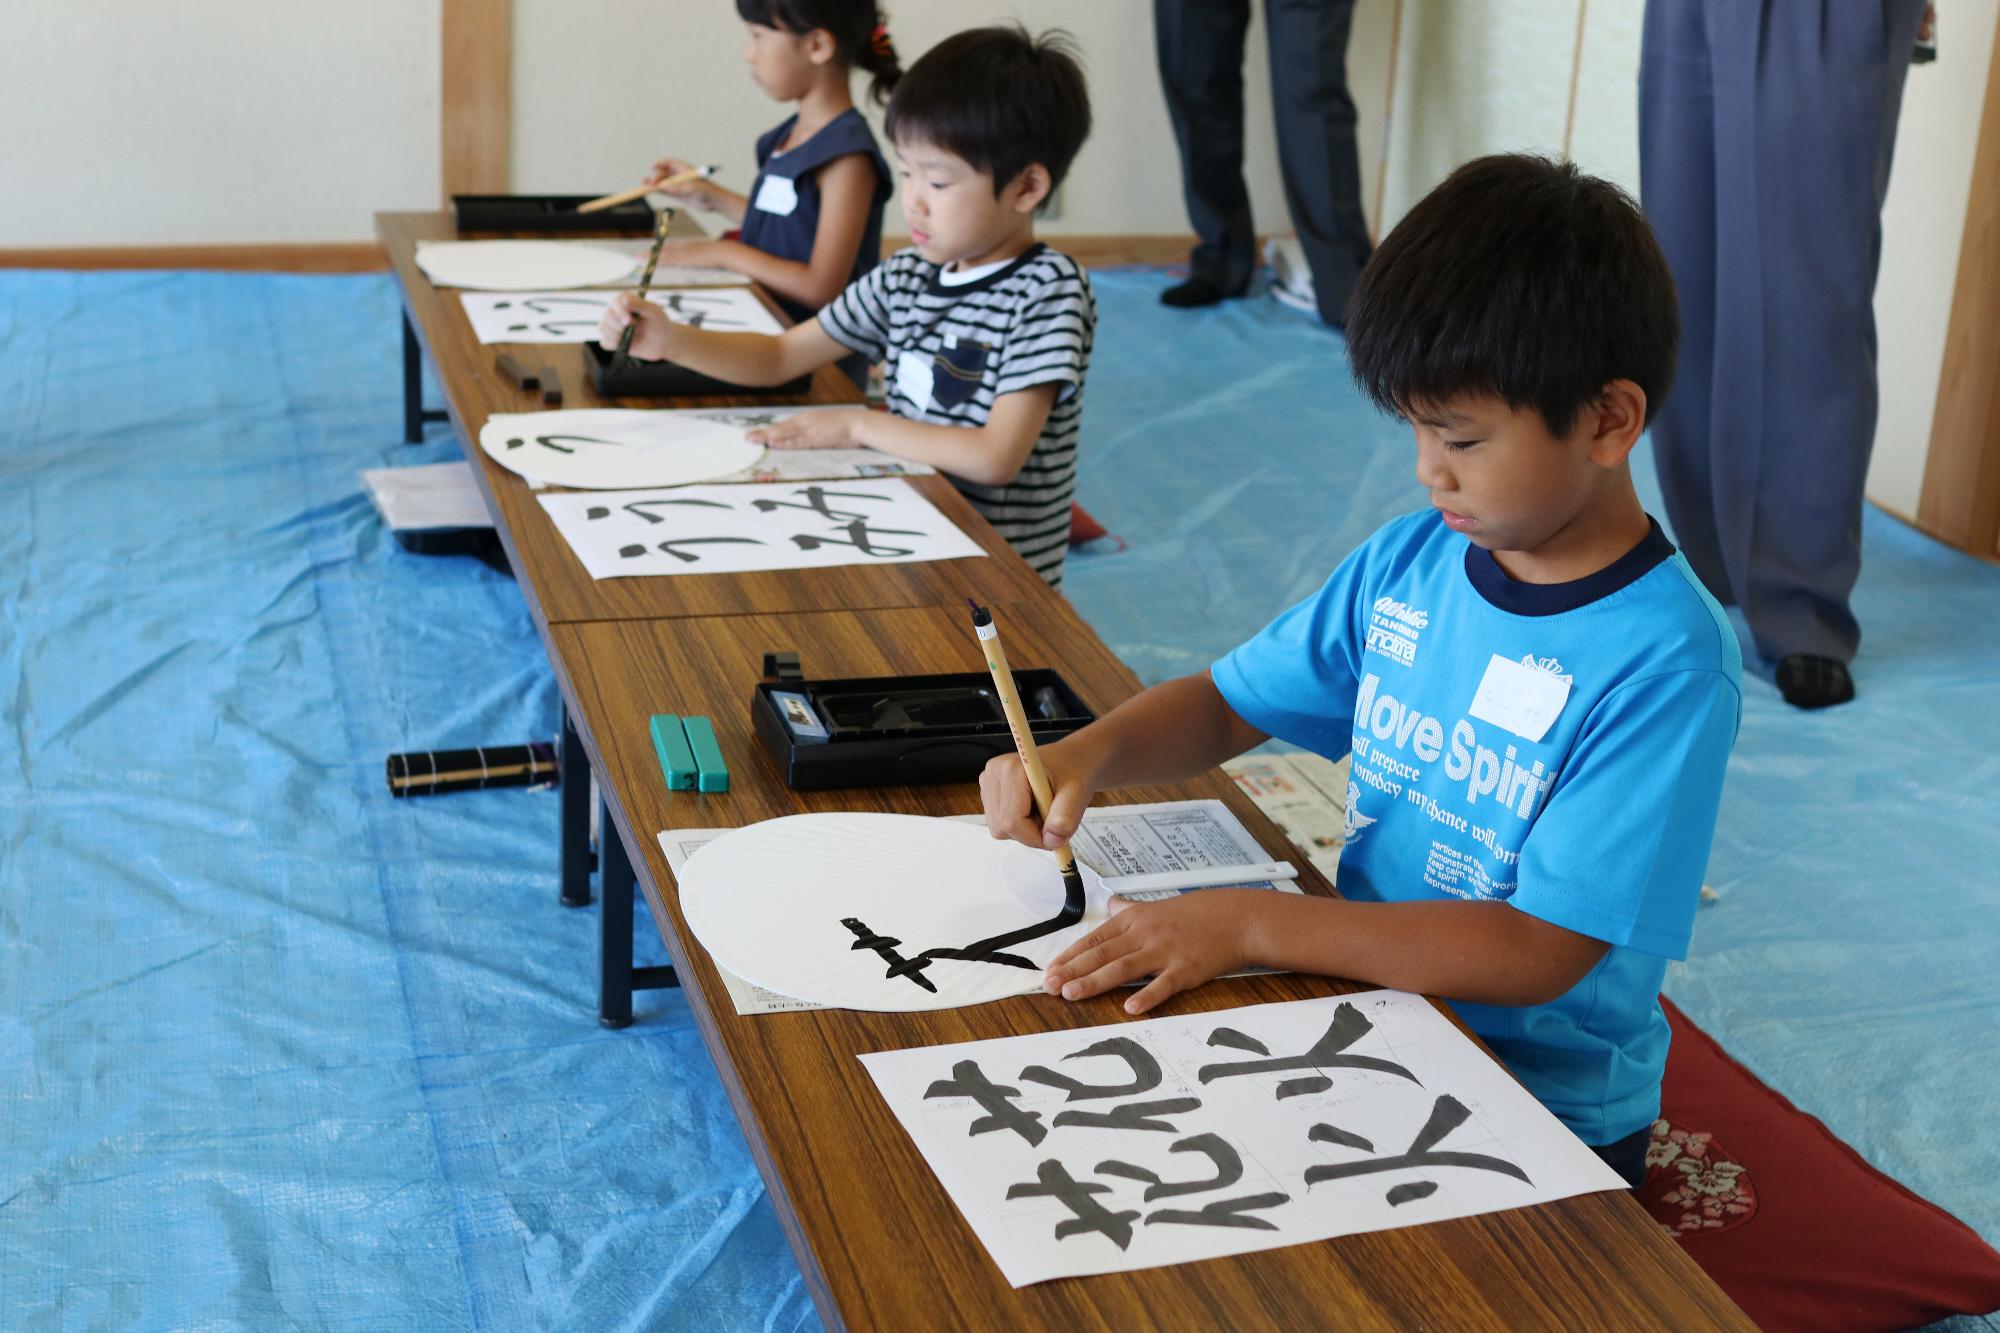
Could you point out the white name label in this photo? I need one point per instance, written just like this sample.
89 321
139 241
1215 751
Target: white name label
777 195
1521 698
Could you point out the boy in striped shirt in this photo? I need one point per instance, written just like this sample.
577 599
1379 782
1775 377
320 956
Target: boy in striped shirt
986 332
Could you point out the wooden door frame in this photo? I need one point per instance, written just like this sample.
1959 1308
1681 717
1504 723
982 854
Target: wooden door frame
1960 500
475 95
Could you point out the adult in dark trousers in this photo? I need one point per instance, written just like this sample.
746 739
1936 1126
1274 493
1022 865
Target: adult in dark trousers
1765 132
1200 47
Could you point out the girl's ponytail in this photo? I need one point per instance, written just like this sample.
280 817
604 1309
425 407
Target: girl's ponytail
879 59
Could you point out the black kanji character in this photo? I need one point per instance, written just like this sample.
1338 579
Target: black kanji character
1447 1114
859 537
1349 1025
1217 1213
995 1099
1052 1179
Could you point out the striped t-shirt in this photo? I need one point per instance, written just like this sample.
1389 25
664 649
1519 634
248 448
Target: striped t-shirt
952 349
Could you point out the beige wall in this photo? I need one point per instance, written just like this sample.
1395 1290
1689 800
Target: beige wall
212 121
217 121
602 87
1478 77
1922 225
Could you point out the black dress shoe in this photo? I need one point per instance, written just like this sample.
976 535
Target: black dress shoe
1195 291
1814 682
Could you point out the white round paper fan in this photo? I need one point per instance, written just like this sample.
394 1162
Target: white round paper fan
612 449
516 266
820 907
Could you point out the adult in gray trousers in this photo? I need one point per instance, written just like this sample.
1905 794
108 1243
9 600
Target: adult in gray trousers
1200 49
1765 132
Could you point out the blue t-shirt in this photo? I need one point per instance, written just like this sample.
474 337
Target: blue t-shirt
1439 673
783 217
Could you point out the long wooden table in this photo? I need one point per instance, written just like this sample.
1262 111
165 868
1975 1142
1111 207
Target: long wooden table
879 1242
560 589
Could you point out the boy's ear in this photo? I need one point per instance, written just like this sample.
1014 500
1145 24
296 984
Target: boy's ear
1616 422
1028 190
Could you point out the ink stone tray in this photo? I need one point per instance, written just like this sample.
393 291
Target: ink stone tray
902 730
546 213
665 379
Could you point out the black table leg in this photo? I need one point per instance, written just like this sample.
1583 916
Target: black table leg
616 977
614 930
414 415
574 788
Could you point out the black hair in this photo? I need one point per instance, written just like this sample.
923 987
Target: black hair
998 98
860 33
1520 277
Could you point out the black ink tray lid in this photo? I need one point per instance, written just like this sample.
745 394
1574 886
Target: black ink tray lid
546 212
666 379
903 730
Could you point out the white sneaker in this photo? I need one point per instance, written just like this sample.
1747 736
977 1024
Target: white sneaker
1291 280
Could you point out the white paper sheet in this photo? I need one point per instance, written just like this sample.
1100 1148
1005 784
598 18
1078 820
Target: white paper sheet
428 496
805 464
1162 1141
738 528
572 316
1132 839
507 266
784 904
609 448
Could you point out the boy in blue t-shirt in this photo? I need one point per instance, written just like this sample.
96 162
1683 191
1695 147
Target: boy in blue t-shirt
1538 695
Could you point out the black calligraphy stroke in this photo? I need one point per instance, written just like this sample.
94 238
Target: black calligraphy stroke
885 947
815 501
540 304
644 509
549 442
1349 1025
1447 1114
672 548
1145 1071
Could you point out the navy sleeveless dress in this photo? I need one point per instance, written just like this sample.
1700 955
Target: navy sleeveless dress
783 217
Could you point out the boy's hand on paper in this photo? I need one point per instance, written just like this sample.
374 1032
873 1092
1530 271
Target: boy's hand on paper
836 429
1179 943
649 341
1010 802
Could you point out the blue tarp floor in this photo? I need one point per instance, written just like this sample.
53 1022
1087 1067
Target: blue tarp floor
279 1051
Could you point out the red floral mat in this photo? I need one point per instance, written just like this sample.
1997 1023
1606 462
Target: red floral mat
1790 1221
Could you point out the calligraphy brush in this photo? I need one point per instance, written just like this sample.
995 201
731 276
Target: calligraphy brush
624 352
1024 741
641 191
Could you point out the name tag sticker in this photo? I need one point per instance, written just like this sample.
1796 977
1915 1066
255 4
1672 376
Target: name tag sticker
913 377
1520 698
777 194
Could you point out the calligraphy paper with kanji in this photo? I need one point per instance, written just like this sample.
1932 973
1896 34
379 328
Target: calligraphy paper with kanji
1161 1141
734 529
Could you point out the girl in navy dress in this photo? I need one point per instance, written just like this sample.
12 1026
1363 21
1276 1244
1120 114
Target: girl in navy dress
812 222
